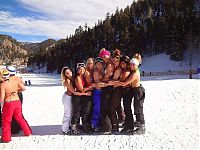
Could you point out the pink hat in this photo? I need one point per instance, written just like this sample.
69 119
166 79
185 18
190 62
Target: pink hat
104 53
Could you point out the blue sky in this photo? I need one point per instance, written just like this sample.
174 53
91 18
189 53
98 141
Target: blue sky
38 20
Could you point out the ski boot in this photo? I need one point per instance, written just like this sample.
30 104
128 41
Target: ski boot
140 129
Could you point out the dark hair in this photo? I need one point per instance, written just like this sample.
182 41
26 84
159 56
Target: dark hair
125 59
116 52
64 69
78 65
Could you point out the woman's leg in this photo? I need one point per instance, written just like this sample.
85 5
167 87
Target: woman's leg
115 102
87 112
67 112
95 120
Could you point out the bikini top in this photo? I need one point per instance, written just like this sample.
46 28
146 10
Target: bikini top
83 82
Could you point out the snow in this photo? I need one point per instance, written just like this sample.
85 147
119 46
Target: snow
171 114
171 110
162 63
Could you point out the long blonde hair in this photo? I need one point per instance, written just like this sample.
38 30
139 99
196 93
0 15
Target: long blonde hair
138 57
88 61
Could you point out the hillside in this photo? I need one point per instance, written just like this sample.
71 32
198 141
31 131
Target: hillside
18 53
38 47
11 51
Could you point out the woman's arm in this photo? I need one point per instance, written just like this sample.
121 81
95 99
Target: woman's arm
87 78
79 85
109 70
71 89
96 77
124 76
21 86
69 86
81 94
116 76
130 79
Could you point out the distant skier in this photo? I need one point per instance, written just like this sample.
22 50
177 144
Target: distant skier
190 75
29 82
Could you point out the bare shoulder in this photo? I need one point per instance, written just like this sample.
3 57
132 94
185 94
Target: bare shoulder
68 81
16 78
109 65
15 83
87 72
19 78
95 74
77 78
5 85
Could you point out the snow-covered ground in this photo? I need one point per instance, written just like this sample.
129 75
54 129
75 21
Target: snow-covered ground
171 111
162 63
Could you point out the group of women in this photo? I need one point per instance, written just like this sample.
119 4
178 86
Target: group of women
93 95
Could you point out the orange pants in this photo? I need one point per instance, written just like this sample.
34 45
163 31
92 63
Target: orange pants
10 109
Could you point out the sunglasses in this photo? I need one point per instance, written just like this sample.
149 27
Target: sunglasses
80 65
98 59
117 57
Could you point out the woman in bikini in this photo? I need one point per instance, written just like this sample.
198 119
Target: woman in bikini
89 72
68 83
97 76
119 92
116 60
81 104
106 95
138 92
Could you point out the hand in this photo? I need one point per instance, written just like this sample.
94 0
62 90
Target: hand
117 84
93 85
101 84
111 83
78 93
88 93
90 87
